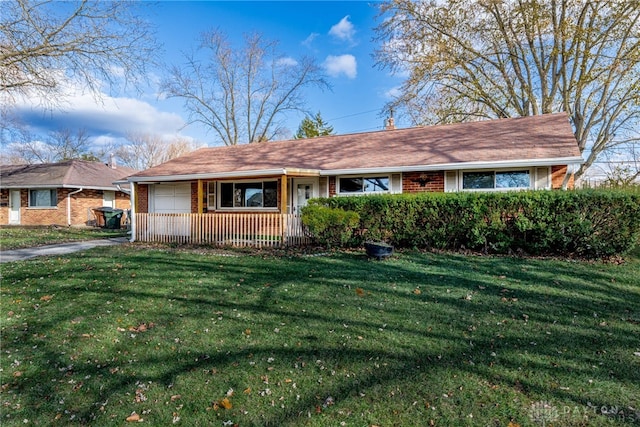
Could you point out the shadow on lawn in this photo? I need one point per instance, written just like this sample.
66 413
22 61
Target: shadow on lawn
463 304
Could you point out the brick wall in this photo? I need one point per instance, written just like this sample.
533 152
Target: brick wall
194 197
423 182
332 186
4 206
142 198
557 177
81 204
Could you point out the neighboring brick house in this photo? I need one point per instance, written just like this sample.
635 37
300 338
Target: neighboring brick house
536 152
60 193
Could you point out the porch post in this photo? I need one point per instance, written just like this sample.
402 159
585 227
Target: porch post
284 201
284 194
200 194
134 208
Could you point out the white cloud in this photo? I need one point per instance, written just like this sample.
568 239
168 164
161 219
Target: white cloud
287 61
343 30
393 93
342 64
309 40
104 116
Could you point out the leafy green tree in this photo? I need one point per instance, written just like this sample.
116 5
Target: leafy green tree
311 127
473 59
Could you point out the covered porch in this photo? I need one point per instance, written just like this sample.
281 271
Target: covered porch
251 210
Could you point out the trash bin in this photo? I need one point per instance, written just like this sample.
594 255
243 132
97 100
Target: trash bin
108 217
97 212
112 218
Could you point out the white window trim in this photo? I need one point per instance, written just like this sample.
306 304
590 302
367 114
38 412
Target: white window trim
212 206
495 189
378 175
220 208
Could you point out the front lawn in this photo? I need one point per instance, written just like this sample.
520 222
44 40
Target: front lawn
27 237
195 338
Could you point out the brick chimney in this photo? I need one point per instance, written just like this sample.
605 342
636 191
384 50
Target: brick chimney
390 123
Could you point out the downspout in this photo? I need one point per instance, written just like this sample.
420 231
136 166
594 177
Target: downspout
122 190
69 205
132 198
131 216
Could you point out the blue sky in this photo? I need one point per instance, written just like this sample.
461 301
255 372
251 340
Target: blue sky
338 34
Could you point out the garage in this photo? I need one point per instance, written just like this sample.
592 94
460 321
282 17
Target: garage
171 198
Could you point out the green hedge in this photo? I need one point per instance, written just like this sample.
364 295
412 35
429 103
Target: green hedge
585 223
328 226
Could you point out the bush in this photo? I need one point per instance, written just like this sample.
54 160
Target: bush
329 227
585 223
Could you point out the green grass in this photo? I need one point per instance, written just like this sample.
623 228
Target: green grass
26 237
90 338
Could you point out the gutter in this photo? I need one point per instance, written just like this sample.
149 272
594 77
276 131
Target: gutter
222 175
69 205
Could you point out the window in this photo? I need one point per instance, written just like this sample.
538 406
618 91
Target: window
249 194
370 184
211 195
43 198
496 180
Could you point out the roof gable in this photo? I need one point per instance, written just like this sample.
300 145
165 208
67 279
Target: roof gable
70 173
514 139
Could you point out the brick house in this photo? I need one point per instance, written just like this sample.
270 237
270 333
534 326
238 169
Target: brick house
534 153
60 193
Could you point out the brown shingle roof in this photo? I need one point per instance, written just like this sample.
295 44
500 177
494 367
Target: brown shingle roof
514 139
70 173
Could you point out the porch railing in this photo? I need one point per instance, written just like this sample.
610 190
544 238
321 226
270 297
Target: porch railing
222 229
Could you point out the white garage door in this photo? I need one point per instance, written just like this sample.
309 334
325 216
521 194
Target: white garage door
172 198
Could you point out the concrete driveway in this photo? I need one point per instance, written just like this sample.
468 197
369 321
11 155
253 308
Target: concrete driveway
59 249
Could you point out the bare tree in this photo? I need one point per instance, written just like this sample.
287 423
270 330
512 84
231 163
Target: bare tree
45 43
472 59
60 145
66 144
143 150
241 94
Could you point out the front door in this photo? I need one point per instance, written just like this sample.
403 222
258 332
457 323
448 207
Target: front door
303 191
14 207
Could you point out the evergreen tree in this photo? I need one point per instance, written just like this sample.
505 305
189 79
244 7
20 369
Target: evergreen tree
311 127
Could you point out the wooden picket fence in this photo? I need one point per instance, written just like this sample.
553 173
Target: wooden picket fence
222 229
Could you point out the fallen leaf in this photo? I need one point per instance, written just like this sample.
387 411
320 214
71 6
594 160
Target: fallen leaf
417 291
226 403
360 292
512 424
133 418
46 298
247 331
175 397
247 390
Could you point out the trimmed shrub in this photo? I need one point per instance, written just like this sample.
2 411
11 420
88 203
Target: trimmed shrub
330 227
585 223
